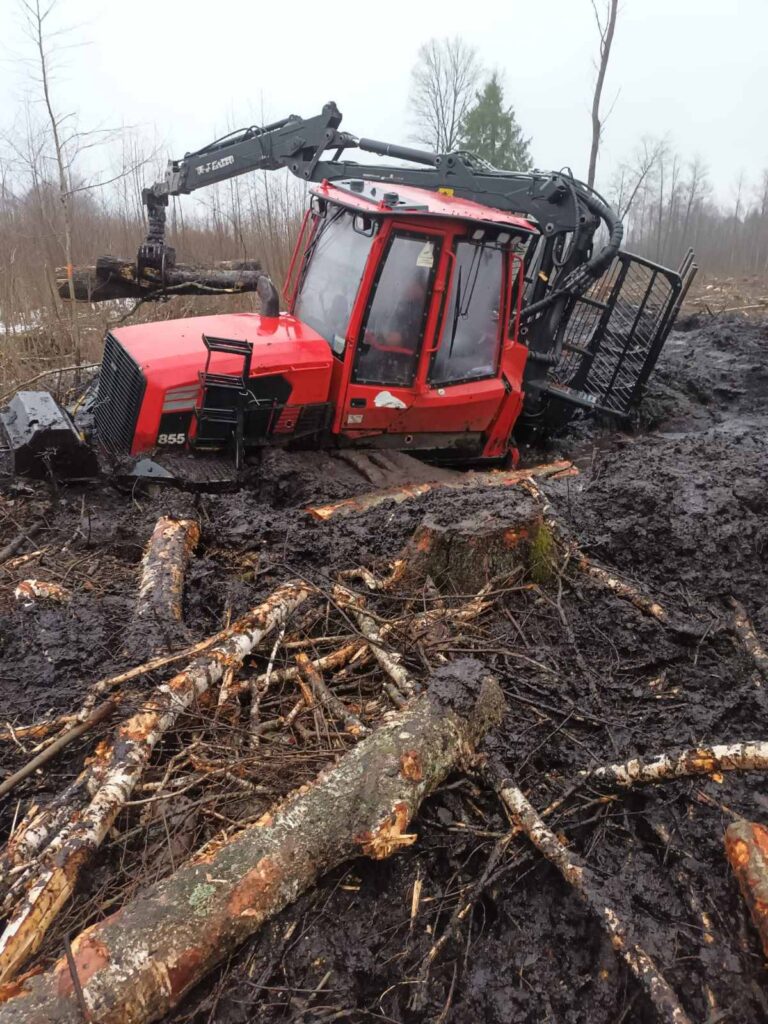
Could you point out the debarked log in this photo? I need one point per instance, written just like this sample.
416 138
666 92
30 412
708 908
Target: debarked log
164 567
116 768
137 964
113 278
746 846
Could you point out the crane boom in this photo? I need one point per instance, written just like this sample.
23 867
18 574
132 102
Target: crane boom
561 205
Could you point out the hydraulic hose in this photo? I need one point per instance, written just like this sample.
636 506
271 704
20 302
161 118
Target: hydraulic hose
582 276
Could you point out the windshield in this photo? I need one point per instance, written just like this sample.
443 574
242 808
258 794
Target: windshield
332 277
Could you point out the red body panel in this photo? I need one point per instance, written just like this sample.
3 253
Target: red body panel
423 204
171 354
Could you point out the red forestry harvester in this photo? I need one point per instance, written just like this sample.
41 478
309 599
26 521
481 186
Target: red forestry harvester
437 306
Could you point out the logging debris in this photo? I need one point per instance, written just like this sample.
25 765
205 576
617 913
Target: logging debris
589 680
139 962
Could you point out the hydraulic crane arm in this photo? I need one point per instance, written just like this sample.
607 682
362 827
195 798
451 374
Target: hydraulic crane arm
560 204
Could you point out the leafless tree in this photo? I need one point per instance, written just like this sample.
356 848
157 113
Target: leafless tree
443 86
606 24
36 17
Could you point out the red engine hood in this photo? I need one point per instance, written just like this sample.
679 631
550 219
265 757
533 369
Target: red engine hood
171 352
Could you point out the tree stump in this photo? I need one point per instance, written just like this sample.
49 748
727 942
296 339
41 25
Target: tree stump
497 534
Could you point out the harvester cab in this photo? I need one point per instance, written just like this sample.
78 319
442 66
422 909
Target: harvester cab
439 308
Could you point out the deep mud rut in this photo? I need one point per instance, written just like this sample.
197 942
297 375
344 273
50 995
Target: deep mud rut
679 505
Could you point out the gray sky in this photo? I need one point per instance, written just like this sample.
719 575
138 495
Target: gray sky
183 72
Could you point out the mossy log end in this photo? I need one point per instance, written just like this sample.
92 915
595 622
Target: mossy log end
137 964
492 539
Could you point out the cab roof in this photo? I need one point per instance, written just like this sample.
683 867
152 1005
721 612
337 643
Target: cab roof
384 199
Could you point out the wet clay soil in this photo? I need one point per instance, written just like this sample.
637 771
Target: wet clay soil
679 505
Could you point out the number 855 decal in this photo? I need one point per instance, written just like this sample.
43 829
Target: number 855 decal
171 439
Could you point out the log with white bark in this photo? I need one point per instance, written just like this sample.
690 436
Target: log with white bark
164 567
115 770
492 478
137 964
720 757
588 885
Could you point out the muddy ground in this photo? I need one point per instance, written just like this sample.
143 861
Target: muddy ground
679 504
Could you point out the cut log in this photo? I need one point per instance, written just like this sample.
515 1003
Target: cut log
137 964
492 478
112 278
746 846
115 770
164 568
589 886
720 757
494 538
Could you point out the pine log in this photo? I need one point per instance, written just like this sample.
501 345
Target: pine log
112 278
164 567
746 846
137 964
116 768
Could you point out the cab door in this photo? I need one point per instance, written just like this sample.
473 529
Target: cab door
424 366
398 316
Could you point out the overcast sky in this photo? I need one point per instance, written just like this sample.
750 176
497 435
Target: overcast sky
696 70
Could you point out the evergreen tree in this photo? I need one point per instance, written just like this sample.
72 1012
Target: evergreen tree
491 131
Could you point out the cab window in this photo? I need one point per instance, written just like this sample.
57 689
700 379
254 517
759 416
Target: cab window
470 332
335 266
388 351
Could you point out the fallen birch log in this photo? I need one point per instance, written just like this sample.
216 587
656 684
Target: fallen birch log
115 770
647 605
721 757
490 478
592 891
746 846
137 964
164 567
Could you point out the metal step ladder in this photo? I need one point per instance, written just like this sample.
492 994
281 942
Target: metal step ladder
220 414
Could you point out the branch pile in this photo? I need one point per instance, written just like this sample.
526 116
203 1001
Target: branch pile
307 733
